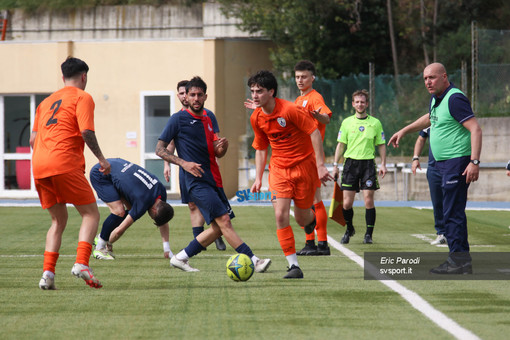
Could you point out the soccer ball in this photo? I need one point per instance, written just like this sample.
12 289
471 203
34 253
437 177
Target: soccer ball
240 267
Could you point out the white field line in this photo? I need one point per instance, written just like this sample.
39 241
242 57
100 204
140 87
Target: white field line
414 299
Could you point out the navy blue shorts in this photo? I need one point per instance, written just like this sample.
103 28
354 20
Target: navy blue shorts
103 185
211 201
182 185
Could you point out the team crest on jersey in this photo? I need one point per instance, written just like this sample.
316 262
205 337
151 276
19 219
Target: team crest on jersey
281 121
369 183
361 128
305 102
209 127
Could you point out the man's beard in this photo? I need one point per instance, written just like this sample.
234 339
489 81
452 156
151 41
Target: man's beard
199 111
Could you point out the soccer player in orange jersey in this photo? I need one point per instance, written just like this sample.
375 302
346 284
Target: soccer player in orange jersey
64 123
296 165
312 102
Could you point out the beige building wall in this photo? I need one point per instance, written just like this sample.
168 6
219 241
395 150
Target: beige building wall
121 70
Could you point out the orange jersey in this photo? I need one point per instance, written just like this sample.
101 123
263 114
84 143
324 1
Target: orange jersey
313 101
287 129
59 120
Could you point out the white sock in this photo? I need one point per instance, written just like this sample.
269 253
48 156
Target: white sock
49 274
292 259
182 256
100 243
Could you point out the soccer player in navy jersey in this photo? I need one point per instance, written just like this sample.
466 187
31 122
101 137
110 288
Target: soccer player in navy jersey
197 220
129 191
197 147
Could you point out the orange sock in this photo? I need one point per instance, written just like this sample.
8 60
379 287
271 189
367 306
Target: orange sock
50 261
83 252
286 239
322 221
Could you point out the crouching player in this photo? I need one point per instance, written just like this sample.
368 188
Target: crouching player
129 191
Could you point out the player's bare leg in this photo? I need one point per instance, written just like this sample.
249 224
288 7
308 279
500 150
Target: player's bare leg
90 221
58 213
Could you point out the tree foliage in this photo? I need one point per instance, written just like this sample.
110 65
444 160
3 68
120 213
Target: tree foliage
341 37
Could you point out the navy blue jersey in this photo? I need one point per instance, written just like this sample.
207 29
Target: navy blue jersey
130 181
182 181
193 137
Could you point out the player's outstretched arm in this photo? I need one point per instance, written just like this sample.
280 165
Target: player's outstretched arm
90 139
419 124
193 168
121 229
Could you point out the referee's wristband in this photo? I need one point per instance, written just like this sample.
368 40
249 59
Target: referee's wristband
416 158
335 164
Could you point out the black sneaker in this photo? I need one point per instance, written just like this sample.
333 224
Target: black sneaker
294 272
450 267
367 239
323 249
310 249
220 245
347 236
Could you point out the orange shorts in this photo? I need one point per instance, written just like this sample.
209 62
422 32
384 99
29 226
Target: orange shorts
298 183
71 187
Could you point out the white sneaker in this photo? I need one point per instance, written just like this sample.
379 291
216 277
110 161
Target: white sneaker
47 283
262 265
96 239
84 272
183 265
102 254
439 240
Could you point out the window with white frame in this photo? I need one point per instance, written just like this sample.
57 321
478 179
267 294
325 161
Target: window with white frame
155 110
17 112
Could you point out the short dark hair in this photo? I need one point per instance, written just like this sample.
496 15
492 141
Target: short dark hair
73 67
361 93
164 213
265 79
196 82
305 65
182 83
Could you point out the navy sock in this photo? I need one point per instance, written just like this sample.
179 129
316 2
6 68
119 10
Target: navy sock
197 231
244 249
111 222
193 248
